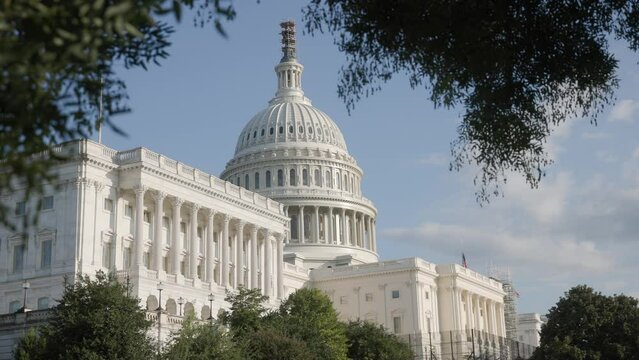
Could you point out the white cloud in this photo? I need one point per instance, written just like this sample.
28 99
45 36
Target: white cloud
624 111
547 203
594 135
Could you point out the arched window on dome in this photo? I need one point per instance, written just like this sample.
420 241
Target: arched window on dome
329 179
318 178
310 130
281 130
268 178
301 129
256 183
290 129
338 183
280 177
246 181
237 181
294 227
254 134
352 184
292 178
262 133
345 182
248 136
270 132
305 177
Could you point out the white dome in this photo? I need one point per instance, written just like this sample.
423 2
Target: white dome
290 123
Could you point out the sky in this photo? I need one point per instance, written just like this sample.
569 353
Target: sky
580 227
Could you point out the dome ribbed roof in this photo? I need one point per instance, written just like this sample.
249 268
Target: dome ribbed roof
290 123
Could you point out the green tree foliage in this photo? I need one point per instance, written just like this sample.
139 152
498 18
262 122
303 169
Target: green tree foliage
32 346
269 343
246 311
95 319
57 58
518 67
201 341
308 315
367 341
586 325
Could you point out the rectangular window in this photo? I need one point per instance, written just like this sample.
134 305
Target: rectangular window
165 222
426 295
395 294
183 227
47 202
106 255
128 210
14 306
369 297
165 263
45 256
397 324
147 217
21 208
108 204
18 258
199 232
182 267
199 271
127 257
43 303
343 300
146 258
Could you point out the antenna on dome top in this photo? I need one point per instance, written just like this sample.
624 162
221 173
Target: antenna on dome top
288 40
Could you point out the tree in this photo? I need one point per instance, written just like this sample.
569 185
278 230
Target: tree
95 319
56 69
518 67
246 311
367 341
308 315
587 325
201 341
270 343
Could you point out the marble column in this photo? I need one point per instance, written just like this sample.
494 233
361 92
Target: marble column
317 225
175 235
300 231
353 228
374 232
342 227
370 232
194 245
268 264
139 225
331 227
225 251
254 263
210 248
239 254
280 265
158 196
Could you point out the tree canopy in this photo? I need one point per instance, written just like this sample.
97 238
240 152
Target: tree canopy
518 68
586 325
95 319
368 341
201 341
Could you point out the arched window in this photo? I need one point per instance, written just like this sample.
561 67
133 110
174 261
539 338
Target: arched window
290 129
237 181
329 180
43 303
246 181
268 178
352 184
262 133
301 129
305 177
280 177
270 132
254 134
318 178
345 182
292 178
281 130
256 183
14 306
248 135
338 183
310 130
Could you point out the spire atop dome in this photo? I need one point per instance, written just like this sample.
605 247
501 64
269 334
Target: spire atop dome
288 40
289 71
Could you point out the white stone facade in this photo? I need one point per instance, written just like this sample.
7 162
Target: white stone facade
290 213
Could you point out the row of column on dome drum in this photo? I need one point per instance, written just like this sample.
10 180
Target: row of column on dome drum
332 179
329 225
257 135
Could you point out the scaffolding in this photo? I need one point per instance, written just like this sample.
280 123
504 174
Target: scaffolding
510 299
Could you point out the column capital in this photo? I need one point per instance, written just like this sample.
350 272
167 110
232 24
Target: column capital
139 189
176 202
210 213
194 208
226 218
267 233
300 207
98 185
239 226
158 195
280 237
254 229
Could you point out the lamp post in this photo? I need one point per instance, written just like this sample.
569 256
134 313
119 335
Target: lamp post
159 310
25 287
180 302
211 298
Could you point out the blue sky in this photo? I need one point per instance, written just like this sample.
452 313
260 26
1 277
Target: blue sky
581 226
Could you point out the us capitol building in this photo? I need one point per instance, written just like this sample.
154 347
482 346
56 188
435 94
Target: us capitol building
287 212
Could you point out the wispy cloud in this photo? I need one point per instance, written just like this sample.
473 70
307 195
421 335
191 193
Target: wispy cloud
624 111
435 159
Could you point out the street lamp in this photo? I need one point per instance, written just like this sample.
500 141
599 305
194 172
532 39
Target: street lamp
25 286
160 288
180 302
211 298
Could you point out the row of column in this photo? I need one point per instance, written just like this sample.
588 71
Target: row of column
232 248
491 321
329 225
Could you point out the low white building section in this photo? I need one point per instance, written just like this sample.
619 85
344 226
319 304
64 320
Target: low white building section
529 328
